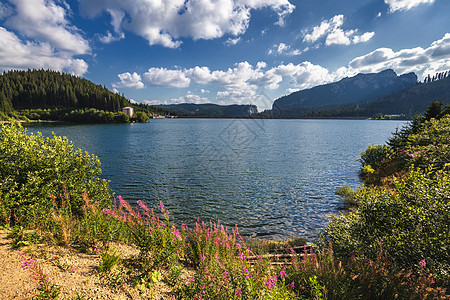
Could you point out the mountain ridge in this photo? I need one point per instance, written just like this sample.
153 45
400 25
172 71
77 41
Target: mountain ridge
348 90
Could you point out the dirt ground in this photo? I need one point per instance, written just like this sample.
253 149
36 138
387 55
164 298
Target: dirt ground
73 272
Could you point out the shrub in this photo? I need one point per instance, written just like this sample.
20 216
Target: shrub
411 221
374 156
34 169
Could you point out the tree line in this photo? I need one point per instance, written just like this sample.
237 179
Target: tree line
32 93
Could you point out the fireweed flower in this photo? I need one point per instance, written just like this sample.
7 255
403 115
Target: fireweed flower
422 263
106 210
283 274
27 263
270 281
292 285
238 291
224 275
245 272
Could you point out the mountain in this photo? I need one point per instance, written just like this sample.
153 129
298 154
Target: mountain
212 110
348 90
409 101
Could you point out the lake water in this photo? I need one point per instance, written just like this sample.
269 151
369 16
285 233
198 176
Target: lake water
273 178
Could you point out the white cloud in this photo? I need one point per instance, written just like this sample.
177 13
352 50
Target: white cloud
188 98
399 5
109 38
363 38
283 49
44 20
435 58
324 28
165 22
232 42
128 80
333 33
16 54
166 78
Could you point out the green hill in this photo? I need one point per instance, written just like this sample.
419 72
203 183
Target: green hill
46 94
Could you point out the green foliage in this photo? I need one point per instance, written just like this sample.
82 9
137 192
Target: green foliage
96 226
49 89
140 117
411 221
21 237
374 156
422 143
347 194
34 169
109 259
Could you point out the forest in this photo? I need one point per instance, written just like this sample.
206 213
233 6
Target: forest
52 95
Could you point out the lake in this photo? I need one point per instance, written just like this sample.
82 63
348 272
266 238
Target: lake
273 178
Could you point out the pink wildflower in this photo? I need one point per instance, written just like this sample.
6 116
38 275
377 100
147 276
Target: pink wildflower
245 272
106 211
292 285
238 291
422 263
283 274
224 275
270 281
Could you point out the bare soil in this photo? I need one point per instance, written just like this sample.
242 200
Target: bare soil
73 272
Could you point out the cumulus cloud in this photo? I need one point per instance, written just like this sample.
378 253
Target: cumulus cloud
283 49
333 34
16 54
38 34
188 98
128 80
399 5
109 37
165 22
435 58
166 78
44 20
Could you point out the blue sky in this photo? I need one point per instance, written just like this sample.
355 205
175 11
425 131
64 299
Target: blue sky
223 51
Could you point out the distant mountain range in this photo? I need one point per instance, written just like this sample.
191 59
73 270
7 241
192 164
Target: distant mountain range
406 102
212 110
362 87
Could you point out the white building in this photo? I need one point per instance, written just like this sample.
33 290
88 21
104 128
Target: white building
128 111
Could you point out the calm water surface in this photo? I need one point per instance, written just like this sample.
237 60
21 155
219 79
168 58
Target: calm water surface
274 178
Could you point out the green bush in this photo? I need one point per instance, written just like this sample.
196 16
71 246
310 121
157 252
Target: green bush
374 156
140 117
34 169
411 221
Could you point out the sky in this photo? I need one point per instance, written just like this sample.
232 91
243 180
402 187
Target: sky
223 51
